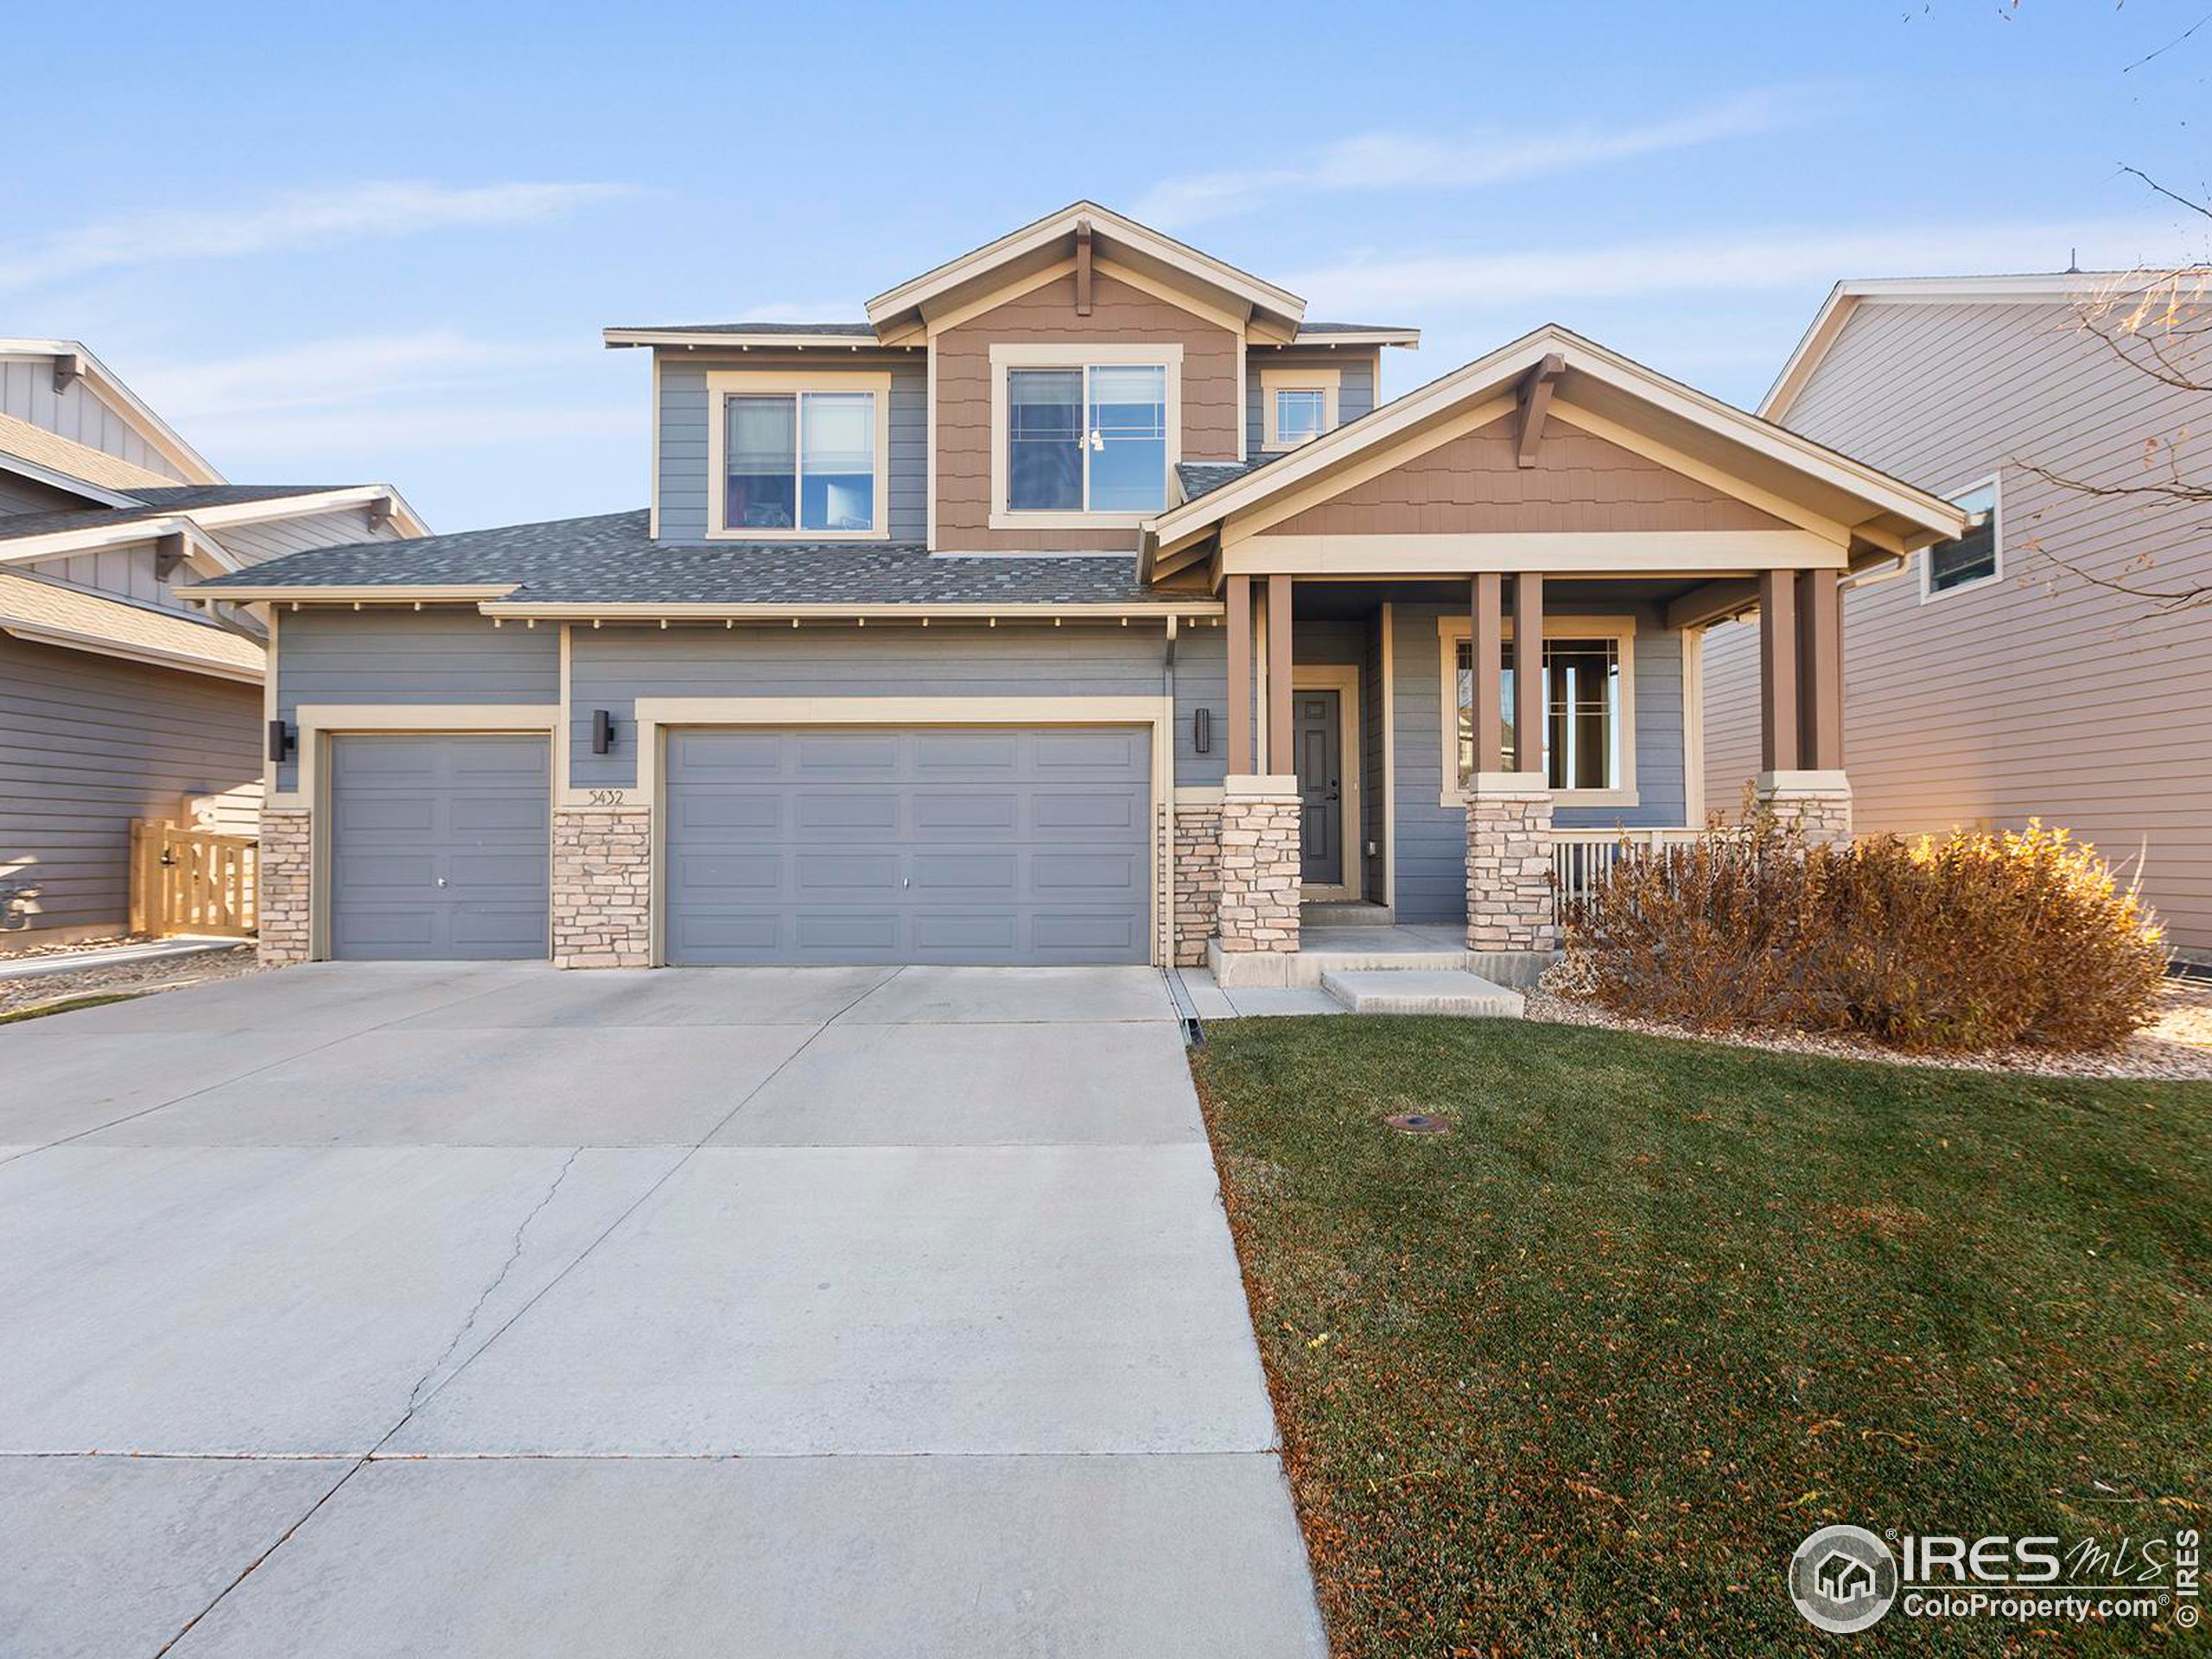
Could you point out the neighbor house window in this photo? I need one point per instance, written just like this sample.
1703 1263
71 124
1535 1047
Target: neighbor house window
799 460
1082 440
1297 406
1975 556
1588 723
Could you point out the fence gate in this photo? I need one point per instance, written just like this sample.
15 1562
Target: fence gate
192 881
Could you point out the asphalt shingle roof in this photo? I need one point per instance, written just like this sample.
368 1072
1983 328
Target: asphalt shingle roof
1204 477
613 560
862 330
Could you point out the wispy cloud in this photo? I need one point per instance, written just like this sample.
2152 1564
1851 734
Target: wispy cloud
1733 261
345 371
1397 161
293 220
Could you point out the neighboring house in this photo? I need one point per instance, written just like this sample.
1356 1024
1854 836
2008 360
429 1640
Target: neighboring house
117 700
1076 604
1988 684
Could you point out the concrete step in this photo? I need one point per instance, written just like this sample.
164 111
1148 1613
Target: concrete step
1323 958
1344 913
1394 990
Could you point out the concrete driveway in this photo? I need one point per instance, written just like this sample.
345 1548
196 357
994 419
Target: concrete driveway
357 1310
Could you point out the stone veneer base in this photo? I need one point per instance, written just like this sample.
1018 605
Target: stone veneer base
602 887
1817 802
283 895
1260 888
1195 849
1511 905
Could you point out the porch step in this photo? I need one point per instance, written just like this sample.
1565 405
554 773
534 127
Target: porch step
1455 992
1344 913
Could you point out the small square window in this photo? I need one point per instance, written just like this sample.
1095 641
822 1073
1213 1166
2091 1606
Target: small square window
1977 556
1301 414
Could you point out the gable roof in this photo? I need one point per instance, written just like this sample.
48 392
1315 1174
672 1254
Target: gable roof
2043 288
1044 242
196 509
111 390
1875 506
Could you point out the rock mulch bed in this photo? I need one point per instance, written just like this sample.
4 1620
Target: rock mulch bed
155 974
2175 1047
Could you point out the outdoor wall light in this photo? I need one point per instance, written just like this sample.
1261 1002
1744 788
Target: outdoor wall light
602 731
283 741
1201 730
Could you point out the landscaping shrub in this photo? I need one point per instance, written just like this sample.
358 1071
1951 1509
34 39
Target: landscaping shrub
1973 942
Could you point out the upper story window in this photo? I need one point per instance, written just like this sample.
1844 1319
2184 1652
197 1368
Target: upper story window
1976 556
1589 722
1083 435
1297 406
799 458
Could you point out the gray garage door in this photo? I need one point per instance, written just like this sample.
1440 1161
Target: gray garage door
950 846
438 847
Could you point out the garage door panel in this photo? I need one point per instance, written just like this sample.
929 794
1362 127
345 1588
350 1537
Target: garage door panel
439 847
932 845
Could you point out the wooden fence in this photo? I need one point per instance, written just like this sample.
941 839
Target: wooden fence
192 881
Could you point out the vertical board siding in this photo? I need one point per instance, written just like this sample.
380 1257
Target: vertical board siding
408 656
1355 379
1212 412
87 743
127 571
684 416
75 412
2040 694
611 668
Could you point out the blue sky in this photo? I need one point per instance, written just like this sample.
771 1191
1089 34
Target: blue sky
345 243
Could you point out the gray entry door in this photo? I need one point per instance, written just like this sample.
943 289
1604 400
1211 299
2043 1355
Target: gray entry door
954 845
1318 744
439 848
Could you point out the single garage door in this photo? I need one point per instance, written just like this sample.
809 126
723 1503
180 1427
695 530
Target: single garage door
959 845
438 847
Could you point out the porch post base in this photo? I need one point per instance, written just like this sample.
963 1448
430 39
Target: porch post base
1259 859
1510 902
283 918
1818 803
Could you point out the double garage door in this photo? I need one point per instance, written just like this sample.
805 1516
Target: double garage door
992 845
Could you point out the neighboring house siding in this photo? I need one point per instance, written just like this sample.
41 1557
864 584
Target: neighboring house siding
1355 382
127 571
1433 836
1474 483
87 743
408 656
27 393
611 668
272 538
683 415
2041 694
1212 400
27 495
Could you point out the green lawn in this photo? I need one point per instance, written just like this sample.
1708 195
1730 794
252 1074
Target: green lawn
1577 1377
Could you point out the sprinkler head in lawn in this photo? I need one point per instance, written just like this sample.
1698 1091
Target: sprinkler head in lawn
1417 1123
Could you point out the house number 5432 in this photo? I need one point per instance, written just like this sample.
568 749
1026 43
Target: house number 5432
608 797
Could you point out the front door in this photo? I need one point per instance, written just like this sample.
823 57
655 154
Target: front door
1317 721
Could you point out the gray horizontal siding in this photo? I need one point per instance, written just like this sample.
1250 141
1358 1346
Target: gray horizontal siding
1201 682
88 743
1355 386
409 657
612 668
684 439
27 393
1431 837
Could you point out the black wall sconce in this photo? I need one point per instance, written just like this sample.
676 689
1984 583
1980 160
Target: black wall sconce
602 731
283 741
1201 730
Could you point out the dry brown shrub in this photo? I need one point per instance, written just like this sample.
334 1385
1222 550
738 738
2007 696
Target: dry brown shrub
1970 942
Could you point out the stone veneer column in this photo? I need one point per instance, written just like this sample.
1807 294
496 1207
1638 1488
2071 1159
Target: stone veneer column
1511 904
1195 851
602 887
1817 802
283 900
1260 817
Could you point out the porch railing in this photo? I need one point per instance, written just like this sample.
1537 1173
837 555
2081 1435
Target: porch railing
1580 858
193 881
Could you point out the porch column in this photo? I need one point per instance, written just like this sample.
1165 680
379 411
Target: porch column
1802 779
1260 811
1511 911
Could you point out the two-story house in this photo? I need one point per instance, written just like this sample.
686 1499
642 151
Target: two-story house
118 700
1078 604
2026 669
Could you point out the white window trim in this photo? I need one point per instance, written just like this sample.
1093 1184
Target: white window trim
1324 381
1078 354
1452 631
725 384
1995 485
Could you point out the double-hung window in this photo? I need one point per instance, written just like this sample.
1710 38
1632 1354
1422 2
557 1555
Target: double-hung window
1976 556
1084 440
797 460
1588 717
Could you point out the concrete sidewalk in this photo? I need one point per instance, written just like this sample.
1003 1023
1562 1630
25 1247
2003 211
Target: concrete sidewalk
366 1310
